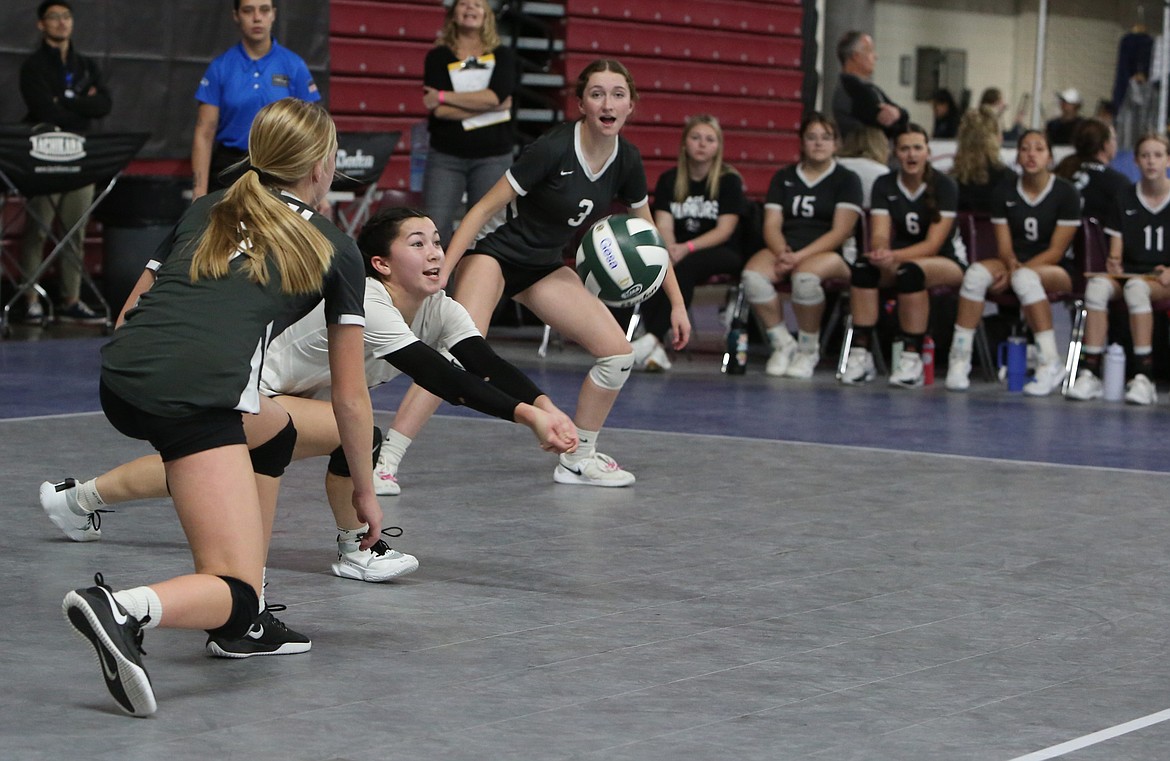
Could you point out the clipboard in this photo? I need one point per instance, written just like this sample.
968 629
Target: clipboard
475 74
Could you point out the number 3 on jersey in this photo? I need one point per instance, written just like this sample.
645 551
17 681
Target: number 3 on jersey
586 207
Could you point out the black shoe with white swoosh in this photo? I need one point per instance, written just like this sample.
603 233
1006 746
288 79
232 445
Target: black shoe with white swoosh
267 636
116 637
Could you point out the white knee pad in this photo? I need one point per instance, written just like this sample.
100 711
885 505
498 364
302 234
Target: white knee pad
976 280
807 290
756 288
1098 291
1137 296
1026 283
611 373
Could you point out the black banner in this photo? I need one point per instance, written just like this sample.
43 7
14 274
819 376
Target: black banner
57 162
361 157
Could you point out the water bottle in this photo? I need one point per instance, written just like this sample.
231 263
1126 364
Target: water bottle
735 357
1113 376
1013 362
927 361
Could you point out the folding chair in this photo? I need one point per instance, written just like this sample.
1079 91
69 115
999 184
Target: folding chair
361 159
48 163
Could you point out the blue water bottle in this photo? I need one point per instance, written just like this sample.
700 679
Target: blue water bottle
1013 362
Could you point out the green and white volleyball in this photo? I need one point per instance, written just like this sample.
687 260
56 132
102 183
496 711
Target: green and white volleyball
622 260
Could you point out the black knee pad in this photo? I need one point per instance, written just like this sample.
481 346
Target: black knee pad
339 466
909 278
274 455
864 275
245 609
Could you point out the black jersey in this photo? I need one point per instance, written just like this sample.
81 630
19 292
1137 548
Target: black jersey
557 193
909 218
697 214
1099 186
189 346
1032 222
450 135
1144 231
808 208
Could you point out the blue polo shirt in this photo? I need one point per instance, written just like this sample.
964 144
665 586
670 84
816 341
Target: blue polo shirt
239 87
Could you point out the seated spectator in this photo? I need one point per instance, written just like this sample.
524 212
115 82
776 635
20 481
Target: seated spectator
912 248
977 167
1088 168
696 208
1060 130
1139 271
866 153
993 98
812 207
946 114
1035 219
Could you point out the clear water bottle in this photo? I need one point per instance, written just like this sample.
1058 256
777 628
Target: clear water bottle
1113 374
735 356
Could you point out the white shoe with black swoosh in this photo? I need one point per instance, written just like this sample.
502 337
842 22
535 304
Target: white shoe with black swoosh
116 637
267 636
598 470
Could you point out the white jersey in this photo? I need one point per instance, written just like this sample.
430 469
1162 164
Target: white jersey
297 363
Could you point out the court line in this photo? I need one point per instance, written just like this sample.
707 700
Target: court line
1096 737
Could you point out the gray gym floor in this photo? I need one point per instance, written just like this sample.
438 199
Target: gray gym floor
747 599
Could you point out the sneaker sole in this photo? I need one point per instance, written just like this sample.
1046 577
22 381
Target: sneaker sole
48 491
899 384
563 476
347 571
288 648
858 381
137 695
387 491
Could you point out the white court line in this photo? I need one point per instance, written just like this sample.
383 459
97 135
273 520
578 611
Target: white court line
1096 737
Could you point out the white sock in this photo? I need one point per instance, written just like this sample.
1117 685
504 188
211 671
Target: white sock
809 343
1046 343
263 584
143 604
962 343
348 539
394 447
779 336
586 447
88 497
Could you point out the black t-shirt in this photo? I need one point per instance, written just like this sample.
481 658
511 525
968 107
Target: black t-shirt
697 213
1144 231
909 218
557 193
978 197
1032 222
1100 187
808 208
189 346
448 135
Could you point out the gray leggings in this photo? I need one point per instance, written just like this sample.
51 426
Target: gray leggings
448 177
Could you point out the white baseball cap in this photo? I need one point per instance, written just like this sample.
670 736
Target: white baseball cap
1071 95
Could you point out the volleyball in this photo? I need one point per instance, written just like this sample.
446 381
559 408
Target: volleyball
622 260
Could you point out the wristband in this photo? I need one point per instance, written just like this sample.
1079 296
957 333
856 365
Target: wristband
690 247
440 97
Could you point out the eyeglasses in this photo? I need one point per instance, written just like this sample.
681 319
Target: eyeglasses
57 17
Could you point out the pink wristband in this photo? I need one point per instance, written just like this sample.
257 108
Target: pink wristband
690 247
440 97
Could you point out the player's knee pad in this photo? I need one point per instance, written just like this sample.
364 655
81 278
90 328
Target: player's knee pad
611 373
756 288
807 290
1098 291
909 278
274 455
976 280
1026 283
245 609
339 466
1137 296
864 275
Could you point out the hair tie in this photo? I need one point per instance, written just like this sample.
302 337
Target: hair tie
264 177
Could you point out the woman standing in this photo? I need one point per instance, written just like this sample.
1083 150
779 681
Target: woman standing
811 209
914 248
237 269
572 173
696 208
1139 269
1035 219
468 82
